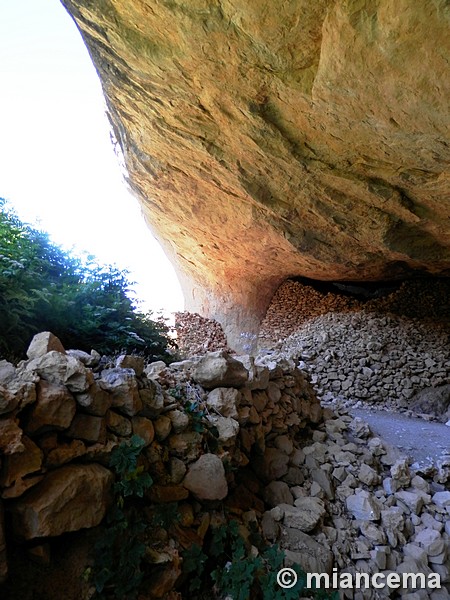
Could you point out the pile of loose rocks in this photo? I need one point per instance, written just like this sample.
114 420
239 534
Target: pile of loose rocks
197 334
372 358
294 303
316 482
357 506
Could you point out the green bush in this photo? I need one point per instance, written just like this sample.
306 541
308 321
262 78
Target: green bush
239 574
44 288
120 551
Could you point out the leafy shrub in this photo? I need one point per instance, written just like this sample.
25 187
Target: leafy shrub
119 552
86 305
237 573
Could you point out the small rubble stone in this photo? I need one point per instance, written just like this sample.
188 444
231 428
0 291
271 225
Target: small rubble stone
400 472
413 500
122 385
143 428
59 368
65 453
118 424
153 369
88 428
20 486
179 420
42 343
3 555
270 527
304 515
206 478
152 399
18 465
442 499
129 361
8 401
431 541
186 444
368 475
163 427
227 428
278 492
54 408
95 400
364 506
224 401
272 465
177 470
302 549
10 436
285 444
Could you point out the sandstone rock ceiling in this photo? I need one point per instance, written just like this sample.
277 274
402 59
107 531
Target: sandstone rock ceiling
266 139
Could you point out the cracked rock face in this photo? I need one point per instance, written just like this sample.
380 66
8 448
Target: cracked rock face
270 139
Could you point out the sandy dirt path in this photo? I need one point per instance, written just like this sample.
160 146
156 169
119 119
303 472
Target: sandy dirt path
423 441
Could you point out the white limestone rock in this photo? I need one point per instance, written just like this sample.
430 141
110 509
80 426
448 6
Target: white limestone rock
219 369
305 515
364 506
42 343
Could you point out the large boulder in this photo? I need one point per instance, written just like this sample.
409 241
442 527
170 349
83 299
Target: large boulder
70 498
234 120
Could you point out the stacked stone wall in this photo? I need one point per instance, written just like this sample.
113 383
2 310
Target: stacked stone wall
317 483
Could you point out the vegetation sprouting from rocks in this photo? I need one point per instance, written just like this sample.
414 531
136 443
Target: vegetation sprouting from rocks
239 571
119 552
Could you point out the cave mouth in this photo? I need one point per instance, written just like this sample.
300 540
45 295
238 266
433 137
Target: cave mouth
360 290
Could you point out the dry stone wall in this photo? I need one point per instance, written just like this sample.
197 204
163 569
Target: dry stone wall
316 482
60 419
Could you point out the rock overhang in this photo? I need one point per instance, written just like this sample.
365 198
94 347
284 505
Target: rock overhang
268 140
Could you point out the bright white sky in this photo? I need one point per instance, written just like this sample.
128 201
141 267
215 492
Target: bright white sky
57 164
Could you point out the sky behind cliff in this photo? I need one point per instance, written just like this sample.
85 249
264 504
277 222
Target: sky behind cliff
57 163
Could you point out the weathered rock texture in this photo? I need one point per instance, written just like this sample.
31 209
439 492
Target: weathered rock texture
268 139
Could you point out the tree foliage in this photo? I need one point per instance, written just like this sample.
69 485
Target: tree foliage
87 305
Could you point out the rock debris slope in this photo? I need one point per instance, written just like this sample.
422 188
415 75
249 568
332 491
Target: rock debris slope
271 139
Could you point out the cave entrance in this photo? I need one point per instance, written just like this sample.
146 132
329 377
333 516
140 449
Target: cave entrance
380 348
360 290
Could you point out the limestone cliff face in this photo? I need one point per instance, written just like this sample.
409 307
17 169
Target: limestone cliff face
269 138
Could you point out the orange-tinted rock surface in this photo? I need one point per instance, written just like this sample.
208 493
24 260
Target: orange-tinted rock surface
269 139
